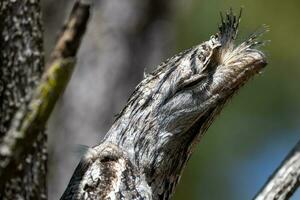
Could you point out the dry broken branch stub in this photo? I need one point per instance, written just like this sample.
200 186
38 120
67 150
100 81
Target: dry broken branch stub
70 38
147 147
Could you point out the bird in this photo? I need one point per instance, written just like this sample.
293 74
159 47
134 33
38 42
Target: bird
144 153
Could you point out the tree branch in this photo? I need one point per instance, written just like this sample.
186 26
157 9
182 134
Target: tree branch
285 180
70 38
32 116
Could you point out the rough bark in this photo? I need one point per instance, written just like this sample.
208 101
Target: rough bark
146 149
285 180
21 66
22 152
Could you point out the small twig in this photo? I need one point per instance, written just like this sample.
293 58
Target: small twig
32 117
285 180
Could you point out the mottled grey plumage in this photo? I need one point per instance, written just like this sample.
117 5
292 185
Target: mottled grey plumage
147 147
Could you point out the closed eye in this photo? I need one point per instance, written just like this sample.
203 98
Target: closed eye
193 81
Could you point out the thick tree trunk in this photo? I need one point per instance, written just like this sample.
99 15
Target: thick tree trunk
21 66
26 105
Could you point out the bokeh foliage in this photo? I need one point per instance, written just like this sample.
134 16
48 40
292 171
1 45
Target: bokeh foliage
259 126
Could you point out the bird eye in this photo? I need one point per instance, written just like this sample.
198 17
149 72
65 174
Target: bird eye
193 81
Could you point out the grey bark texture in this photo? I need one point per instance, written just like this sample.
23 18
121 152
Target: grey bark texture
21 66
143 154
23 155
285 180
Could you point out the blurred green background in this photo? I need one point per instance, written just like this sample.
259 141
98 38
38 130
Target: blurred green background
260 125
247 141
